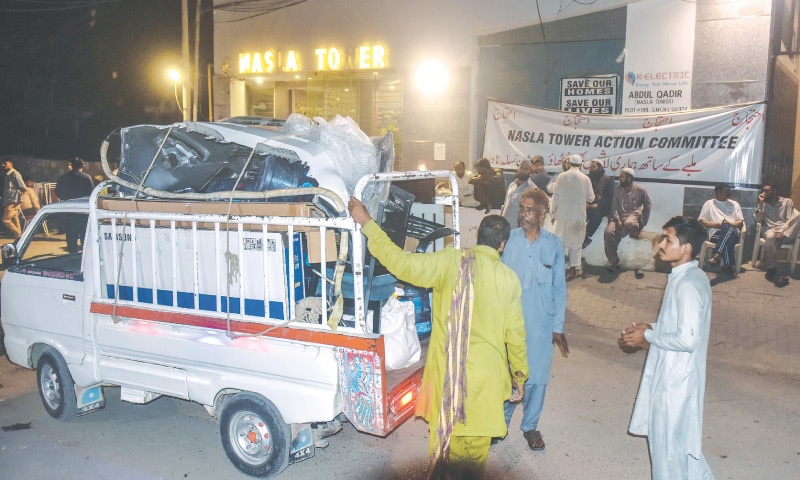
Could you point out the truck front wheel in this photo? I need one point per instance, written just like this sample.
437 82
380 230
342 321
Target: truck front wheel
56 387
254 435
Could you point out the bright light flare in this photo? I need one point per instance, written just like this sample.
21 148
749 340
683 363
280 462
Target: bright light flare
174 75
432 78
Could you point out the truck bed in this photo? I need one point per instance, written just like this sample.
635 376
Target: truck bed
395 377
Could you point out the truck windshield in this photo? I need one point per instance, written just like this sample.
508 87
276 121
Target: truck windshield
57 242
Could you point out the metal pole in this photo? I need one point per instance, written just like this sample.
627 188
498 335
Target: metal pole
185 71
196 64
210 95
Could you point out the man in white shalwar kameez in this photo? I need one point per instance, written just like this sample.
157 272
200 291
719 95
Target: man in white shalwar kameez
572 192
669 405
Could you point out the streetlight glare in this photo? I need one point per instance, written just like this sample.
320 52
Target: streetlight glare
432 77
174 75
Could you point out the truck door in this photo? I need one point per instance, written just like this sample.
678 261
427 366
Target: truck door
46 282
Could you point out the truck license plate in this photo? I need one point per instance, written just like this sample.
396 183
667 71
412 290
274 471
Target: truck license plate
89 399
302 443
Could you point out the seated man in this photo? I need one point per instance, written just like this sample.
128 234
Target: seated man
603 187
630 211
490 188
781 221
723 218
466 191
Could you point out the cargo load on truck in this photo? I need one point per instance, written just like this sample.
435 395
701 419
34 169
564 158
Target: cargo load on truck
253 155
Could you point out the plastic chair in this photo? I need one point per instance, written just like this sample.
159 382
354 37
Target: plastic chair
791 249
708 249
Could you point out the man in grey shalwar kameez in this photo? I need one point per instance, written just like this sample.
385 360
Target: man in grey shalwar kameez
669 405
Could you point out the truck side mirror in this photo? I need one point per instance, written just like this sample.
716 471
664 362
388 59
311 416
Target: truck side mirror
9 253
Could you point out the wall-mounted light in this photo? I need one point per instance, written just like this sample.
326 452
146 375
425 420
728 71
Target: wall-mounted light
432 78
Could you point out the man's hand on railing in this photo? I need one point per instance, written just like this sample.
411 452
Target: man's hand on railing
358 211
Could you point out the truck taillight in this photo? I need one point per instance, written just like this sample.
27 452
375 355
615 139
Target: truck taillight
403 398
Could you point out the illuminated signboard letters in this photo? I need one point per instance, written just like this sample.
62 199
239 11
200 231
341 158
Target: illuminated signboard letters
365 57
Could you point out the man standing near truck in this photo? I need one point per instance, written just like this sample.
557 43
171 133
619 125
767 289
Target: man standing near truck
537 257
478 337
74 184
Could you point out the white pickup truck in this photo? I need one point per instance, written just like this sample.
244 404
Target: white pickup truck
213 302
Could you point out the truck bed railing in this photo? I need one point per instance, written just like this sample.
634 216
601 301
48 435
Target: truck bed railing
231 260
246 267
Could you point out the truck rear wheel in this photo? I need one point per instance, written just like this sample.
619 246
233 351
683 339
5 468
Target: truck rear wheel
254 435
56 387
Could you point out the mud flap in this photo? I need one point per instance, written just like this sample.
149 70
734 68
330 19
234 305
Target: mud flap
302 443
89 399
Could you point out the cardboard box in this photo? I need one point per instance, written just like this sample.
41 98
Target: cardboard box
307 210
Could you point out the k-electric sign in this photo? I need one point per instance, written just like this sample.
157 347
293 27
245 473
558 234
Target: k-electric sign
596 95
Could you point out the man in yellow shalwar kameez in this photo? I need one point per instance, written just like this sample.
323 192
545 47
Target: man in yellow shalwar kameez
476 304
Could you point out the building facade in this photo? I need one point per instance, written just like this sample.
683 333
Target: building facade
365 59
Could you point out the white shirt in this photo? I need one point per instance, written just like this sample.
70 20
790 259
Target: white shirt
715 211
573 190
669 406
466 191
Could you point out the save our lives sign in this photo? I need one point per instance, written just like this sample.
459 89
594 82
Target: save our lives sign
590 94
712 145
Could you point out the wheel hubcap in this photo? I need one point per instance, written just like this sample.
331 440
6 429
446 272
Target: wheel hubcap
250 437
50 387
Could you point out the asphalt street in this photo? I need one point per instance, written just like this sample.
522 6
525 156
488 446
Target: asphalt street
751 422
752 416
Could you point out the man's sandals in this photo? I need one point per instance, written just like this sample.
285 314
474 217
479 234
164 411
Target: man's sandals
534 438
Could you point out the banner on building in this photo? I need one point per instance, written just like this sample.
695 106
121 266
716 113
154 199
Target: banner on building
714 145
659 51
596 95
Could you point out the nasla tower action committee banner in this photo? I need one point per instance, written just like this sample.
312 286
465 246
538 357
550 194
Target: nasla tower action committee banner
713 145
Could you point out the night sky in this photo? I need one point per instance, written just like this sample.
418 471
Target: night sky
73 71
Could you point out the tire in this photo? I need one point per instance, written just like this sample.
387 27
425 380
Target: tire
254 435
56 387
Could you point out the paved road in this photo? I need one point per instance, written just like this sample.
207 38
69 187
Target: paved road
752 414
751 424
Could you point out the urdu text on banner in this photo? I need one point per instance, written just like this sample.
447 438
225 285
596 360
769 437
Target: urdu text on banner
714 145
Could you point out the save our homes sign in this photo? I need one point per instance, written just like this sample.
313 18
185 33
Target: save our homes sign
596 95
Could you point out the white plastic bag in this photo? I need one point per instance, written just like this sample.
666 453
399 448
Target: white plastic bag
399 334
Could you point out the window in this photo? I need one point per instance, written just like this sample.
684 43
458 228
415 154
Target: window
56 243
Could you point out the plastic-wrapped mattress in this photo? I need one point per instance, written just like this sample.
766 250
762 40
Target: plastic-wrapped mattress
252 155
